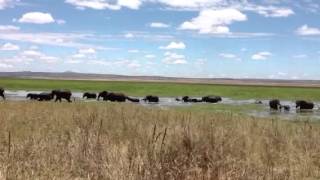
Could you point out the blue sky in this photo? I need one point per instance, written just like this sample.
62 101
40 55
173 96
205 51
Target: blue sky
276 39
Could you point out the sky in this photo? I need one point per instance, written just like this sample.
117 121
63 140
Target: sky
270 39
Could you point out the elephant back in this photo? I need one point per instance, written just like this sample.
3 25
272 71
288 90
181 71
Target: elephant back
274 104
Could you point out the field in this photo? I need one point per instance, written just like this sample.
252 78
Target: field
167 89
126 141
102 140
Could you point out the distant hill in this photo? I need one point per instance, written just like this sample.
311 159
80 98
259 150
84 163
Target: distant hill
111 77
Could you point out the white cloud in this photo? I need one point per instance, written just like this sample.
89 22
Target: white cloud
132 4
6 3
105 4
133 64
73 61
228 55
8 28
150 56
264 8
54 39
243 49
61 21
93 4
141 35
78 56
27 56
174 45
129 35
32 55
133 51
200 62
281 12
214 21
99 62
282 74
36 18
305 30
87 51
49 59
6 66
9 47
34 47
159 25
191 4
173 58
271 11
300 56
261 55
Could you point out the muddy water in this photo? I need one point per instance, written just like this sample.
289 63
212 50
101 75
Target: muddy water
167 102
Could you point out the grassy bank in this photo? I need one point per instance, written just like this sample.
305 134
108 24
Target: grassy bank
125 141
166 89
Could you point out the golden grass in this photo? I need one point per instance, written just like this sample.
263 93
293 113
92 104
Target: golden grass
125 141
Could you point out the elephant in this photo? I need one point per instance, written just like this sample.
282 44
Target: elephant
89 95
285 107
185 99
192 100
32 96
45 97
151 98
274 104
211 99
301 104
62 94
2 93
115 97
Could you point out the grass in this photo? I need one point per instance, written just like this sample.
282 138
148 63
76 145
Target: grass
126 141
166 89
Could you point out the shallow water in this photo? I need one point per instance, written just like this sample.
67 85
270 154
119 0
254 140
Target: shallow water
168 102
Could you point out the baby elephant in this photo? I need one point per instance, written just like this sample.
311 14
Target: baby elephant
45 96
32 96
89 95
285 107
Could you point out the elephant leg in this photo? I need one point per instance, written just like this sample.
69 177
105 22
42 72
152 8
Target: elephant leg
58 99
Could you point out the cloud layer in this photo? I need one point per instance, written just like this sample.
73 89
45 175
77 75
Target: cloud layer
214 21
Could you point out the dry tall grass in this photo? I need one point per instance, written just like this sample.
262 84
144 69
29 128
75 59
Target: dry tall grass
125 141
